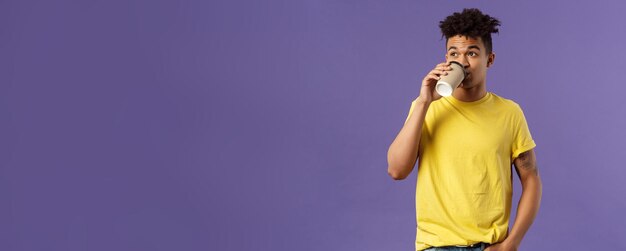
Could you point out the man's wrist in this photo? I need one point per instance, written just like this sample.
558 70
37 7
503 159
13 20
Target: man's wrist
420 101
513 241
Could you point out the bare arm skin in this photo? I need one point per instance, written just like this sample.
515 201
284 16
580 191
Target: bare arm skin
526 167
403 151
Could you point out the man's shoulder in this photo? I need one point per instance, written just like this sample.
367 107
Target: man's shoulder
505 102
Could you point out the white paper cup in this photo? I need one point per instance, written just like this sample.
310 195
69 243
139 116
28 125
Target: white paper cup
446 85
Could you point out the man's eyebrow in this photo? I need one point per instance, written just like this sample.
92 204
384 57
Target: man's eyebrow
469 47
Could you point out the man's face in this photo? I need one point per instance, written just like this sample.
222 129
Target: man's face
471 53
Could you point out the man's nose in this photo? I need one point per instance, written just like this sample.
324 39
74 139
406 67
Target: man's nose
463 60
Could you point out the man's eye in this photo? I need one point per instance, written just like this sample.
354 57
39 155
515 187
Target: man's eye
453 54
473 53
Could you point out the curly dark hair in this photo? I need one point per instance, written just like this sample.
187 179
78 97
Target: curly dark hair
470 23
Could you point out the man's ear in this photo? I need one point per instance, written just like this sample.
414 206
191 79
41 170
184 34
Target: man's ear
492 57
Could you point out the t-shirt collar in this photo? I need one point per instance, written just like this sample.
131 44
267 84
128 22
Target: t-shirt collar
455 101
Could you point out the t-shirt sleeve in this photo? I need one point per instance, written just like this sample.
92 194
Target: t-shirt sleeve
522 140
410 111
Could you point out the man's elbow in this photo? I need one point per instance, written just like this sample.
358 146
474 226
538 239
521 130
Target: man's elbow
531 181
395 174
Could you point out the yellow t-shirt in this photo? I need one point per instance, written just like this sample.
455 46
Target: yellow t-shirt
464 179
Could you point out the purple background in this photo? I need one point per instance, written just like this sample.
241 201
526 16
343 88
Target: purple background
264 125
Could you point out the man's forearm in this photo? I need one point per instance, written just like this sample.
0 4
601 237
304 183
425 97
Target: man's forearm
527 208
403 150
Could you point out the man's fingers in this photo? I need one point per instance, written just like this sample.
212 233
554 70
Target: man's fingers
446 68
432 76
438 72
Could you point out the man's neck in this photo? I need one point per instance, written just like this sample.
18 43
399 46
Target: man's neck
470 94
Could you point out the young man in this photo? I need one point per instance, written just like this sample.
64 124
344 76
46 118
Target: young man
465 145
